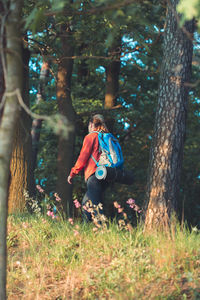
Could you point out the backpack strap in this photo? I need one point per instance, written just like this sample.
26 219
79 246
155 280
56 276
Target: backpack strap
96 162
94 131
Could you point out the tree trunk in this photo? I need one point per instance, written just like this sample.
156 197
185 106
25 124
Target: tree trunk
169 132
20 166
37 123
83 71
65 146
2 83
112 77
13 81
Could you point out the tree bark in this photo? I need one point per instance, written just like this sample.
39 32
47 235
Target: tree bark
112 77
65 146
83 71
2 83
20 166
170 124
13 81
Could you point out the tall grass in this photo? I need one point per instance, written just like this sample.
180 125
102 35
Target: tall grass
53 259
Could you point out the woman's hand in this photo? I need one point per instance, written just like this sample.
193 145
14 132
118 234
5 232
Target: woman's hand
69 179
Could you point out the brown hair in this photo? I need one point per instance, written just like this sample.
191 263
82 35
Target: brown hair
99 123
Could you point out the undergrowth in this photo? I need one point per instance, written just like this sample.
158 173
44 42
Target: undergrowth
55 259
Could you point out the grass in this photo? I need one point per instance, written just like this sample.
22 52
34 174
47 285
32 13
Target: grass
51 259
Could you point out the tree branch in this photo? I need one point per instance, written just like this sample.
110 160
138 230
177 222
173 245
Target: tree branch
95 10
17 93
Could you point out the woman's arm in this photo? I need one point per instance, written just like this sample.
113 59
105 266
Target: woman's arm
84 155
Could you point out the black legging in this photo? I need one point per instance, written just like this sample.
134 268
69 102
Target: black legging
95 190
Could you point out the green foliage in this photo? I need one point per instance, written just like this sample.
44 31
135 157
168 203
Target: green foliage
35 20
58 5
189 10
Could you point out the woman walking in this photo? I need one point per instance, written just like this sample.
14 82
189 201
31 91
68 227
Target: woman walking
86 160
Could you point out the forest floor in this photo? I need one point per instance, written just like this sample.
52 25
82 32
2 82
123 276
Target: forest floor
55 259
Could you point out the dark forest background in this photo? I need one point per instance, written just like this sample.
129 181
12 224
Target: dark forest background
82 57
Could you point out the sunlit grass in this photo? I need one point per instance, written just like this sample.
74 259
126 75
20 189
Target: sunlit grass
52 259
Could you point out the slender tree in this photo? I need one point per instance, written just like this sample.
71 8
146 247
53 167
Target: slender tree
170 124
65 145
83 71
13 81
2 83
112 75
37 123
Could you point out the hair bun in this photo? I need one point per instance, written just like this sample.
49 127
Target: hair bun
98 119
97 122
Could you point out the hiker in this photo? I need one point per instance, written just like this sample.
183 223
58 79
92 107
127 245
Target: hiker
95 187
102 160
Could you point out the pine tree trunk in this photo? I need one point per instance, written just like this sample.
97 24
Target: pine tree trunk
13 80
65 146
20 166
169 132
112 77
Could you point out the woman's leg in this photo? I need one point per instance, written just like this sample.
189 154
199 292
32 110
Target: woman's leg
95 189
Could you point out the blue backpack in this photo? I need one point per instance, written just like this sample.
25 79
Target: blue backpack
111 153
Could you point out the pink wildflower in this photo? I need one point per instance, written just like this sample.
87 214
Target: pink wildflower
116 204
57 197
76 203
120 210
50 213
130 201
70 220
39 188
24 224
133 205
95 229
76 232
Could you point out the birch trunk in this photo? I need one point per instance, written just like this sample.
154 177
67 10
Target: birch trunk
170 124
13 80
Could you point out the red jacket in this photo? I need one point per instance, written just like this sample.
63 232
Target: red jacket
90 147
